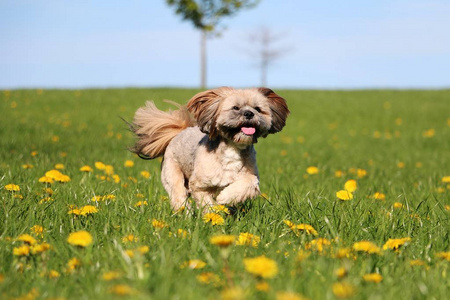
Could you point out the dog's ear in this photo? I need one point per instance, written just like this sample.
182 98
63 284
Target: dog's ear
205 107
278 107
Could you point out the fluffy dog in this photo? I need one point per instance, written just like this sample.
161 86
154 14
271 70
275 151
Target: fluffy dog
208 145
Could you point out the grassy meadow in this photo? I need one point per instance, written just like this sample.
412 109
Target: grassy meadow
83 218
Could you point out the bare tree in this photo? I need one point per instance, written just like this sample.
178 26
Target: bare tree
206 15
264 49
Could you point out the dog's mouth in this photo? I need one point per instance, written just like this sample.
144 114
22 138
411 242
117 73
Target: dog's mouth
248 130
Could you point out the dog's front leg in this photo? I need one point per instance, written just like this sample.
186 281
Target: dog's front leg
204 199
245 187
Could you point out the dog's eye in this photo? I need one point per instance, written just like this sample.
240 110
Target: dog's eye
258 109
235 108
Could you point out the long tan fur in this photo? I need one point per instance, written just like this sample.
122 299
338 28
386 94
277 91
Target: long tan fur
156 128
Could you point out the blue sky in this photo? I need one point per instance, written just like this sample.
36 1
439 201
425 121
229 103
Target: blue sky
142 43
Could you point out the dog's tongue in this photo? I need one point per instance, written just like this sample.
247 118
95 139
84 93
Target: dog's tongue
248 130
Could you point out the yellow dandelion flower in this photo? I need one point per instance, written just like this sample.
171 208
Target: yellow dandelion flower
222 240
141 203
53 174
262 286
361 173
111 275
34 153
129 163
301 227
366 246
46 179
40 248
193 264
213 218
338 174
306 228
99 165
234 293
248 239
109 170
159 224
46 200
302 255
220 208
73 264
109 197
394 244
208 278
318 245
27 166
343 290
447 207
289 223
63 178
37 230
26 238
398 205
344 253
129 253
129 239
312 170
182 233
417 262
344 195
440 190
261 266
143 249
97 198
86 169
53 274
373 277
446 179
56 176
351 185
18 196
379 196
12 187
122 290
88 209
48 191
59 166
401 165
429 133
74 211
23 250
341 272
145 174
116 178
80 238
443 255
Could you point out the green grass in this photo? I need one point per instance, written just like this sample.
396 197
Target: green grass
400 138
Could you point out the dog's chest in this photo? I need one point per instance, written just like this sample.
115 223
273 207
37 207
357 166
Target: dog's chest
232 161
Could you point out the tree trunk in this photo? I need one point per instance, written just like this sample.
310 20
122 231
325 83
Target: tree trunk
203 60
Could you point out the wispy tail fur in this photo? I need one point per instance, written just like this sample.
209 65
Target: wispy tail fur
155 128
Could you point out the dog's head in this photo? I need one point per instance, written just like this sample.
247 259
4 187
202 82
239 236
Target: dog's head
239 115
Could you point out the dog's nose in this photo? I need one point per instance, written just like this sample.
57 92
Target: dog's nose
248 114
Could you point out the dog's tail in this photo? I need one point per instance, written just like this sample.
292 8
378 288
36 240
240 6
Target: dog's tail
155 128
